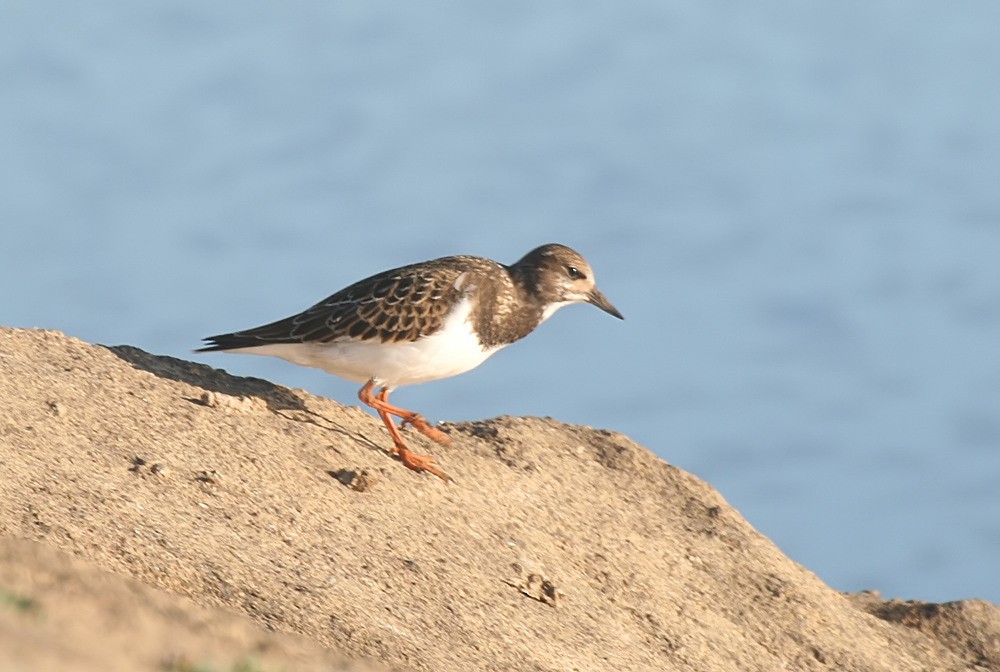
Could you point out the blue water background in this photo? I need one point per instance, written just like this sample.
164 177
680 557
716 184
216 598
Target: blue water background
795 205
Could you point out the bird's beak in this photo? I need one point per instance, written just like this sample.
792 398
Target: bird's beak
596 298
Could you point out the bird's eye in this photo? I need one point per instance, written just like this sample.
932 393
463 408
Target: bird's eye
575 273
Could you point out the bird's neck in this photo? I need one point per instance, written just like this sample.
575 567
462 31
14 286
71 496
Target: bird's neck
504 316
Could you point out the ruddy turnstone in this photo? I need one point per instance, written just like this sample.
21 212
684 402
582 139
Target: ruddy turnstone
422 322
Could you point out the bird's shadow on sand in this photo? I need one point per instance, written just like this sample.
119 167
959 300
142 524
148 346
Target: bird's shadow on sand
280 400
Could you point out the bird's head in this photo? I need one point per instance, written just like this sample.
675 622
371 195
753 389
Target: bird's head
560 276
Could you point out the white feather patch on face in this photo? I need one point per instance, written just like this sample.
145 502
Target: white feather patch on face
550 309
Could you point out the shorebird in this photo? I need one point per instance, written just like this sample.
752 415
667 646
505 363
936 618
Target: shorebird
423 322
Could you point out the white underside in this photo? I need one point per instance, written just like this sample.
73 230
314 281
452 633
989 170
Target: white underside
453 350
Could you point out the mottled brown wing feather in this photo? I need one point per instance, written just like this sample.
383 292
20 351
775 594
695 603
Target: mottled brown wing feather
398 305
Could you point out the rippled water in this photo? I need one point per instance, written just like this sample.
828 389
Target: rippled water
795 207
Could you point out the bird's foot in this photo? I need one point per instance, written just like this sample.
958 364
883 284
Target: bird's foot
420 424
420 462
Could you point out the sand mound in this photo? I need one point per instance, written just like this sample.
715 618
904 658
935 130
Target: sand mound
556 548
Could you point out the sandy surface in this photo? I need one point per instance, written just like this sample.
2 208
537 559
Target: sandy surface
201 517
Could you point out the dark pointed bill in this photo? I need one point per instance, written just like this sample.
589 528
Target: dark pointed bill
598 299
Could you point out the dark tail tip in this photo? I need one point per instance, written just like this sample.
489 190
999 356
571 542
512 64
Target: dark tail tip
224 342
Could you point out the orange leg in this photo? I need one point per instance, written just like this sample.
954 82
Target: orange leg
385 411
419 422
